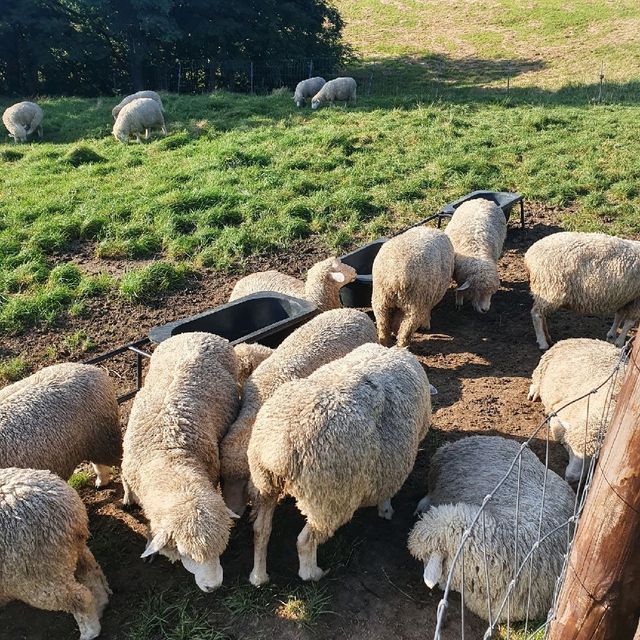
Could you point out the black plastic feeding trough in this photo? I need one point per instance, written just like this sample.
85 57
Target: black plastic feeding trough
266 318
504 199
358 292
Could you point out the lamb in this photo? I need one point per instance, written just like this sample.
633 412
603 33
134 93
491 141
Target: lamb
249 356
22 119
338 89
170 465
345 437
569 370
307 89
411 274
143 114
322 286
326 337
136 96
477 231
43 545
588 273
59 417
462 474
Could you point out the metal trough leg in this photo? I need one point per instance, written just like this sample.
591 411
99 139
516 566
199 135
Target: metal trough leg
522 214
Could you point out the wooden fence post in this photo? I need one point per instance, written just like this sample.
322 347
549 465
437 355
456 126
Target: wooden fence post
600 597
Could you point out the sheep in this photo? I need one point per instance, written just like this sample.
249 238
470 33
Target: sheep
170 463
477 231
249 356
43 545
143 114
136 96
343 438
307 89
322 286
59 417
411 274
324 338
462 474
569 370
588 273
338 89
22 119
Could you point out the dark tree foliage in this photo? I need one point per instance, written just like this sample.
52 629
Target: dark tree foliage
95 46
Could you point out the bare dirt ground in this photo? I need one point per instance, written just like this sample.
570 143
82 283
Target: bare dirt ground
481 367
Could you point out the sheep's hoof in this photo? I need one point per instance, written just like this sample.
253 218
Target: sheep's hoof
150 558
313 573
533 394
385 510
423 506
258 579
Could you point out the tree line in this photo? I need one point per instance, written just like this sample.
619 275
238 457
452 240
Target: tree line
91 47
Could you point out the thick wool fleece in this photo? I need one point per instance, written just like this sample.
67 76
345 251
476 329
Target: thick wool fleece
339 89
22 119
140 115
136 96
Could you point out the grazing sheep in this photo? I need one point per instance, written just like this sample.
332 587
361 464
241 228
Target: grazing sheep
569 370
462 474
338 89
143 114
411 274
326 337
588 273
307 89
59 417
322 286
136 96
249 356
477 231
22 119
345 437
45 560
170 464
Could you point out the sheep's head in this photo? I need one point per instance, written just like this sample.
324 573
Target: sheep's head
479 286
298 99
114 112
120 134
315 101
19 133
324 281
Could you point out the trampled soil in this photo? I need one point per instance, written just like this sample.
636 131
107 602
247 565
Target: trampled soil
481 367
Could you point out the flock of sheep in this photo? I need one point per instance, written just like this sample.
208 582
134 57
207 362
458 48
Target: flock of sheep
332 417
142 112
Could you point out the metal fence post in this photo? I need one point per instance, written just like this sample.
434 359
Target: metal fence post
310 68
179 75
251 76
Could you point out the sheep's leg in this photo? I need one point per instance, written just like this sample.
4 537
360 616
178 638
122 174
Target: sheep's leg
613 332
40 131
147 135
103 474
308 554
425 325
534 392
626 327
384 318
138 138
385 510
128 499
539 325
164 130
409 325
261 535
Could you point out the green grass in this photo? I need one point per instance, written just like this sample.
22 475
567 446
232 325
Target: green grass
81 479
13 369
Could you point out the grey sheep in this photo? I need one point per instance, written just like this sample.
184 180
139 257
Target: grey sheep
326 337
45 560
461 475
170 464
23 119
588 273
307 89
135 96
59 417
477 231
339 89
140 115
344 438
411 274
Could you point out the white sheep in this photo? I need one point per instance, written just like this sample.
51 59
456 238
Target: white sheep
136 96
569 370
45 561
326 337
22 119
345 437
307 89
411 274
322 286
338 89
170 463
59 417
477 231
588 273
249 356
461 475
143 114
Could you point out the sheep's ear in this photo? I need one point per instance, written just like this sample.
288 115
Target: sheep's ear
337 276
432 390
464 286
155 544
232 514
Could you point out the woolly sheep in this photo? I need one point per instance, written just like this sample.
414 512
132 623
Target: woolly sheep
59 417
588 273
324 338
136 96
411 274
143 114
462 474
569 370
307 89
322 286
345 437
477 231
338 89
249 356
22 119
43 545
170 464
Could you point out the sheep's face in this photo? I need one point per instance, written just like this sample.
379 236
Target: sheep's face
479 289
299 100
20 134
342 273
576 468
315 103
121 137
208 575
